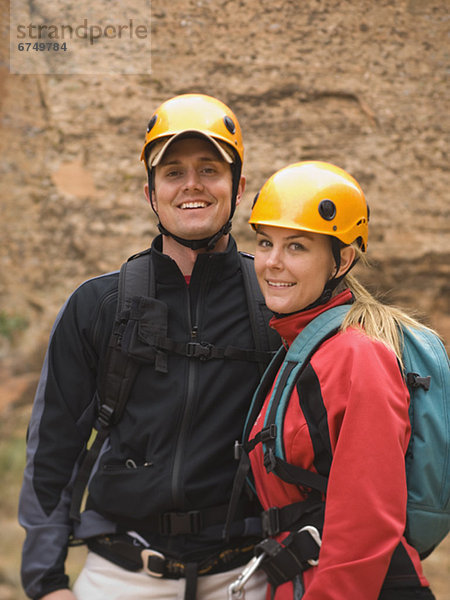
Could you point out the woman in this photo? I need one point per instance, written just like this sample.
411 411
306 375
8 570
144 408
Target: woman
311 223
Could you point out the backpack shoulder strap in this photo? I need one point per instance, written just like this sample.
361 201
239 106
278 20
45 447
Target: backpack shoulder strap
119 370
135 279
286 368
297 358
266 339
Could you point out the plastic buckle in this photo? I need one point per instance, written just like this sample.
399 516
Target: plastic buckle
270 521
269 433
191 349
200 350
105 414
204 351
148 555
180 523
238 450
314 533
269 460
414 380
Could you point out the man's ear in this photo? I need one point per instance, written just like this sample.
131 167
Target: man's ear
347 258
150 200
240 191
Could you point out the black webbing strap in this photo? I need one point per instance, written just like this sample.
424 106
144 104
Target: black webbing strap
291 517
294 474
206 351
284 561
242 450
119 373
260 395
190 522
265 338
191 574
238 485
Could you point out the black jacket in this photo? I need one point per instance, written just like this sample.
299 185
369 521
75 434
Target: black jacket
172 449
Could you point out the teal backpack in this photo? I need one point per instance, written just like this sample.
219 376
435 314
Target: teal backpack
426 372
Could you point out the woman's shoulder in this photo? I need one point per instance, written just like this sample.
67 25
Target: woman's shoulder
353 346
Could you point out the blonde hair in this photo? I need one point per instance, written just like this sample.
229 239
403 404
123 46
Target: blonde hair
379 321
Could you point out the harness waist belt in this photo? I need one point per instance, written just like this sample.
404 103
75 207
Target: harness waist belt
130 554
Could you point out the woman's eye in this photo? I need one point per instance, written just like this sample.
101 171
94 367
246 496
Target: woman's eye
296 246
262 243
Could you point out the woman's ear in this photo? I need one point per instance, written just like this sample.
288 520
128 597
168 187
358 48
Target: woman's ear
347 258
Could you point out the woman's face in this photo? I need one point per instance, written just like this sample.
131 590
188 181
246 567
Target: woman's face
292 267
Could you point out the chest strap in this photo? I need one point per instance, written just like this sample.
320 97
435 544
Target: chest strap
194 522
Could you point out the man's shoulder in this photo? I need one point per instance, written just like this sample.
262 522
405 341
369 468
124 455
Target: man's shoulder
95 290
99 284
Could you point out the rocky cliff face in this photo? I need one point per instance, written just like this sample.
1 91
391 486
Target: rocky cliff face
360 84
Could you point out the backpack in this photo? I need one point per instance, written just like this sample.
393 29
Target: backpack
140 315
427 461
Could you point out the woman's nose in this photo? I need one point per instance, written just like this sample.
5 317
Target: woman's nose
273 260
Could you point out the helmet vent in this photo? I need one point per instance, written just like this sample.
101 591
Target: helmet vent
327 210
229 124
151 123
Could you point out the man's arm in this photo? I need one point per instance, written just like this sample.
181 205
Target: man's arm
61 422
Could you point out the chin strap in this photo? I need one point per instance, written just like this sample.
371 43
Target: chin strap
208 243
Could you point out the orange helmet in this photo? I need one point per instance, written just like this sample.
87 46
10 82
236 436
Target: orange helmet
314 196
197 114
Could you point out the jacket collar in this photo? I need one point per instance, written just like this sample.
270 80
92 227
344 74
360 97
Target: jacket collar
220 265
290 326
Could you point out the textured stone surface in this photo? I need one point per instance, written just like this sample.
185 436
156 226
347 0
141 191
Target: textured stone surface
361 84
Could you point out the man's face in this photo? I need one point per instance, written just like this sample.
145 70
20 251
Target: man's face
192 189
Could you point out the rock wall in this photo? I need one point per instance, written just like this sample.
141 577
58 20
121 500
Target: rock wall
361 84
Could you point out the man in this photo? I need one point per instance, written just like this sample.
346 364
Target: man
159 488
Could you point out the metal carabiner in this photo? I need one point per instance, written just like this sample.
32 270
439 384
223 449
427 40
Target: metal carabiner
236 589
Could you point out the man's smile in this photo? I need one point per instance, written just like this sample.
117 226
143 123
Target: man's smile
189 204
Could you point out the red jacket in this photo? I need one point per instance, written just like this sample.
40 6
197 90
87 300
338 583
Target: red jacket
366 401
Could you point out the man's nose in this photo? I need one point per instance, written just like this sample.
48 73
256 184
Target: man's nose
193 179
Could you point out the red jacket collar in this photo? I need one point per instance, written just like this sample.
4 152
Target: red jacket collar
289 327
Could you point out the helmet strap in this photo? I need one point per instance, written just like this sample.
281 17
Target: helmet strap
208 243
334 281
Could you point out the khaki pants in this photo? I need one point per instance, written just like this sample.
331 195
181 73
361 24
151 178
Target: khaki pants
102 580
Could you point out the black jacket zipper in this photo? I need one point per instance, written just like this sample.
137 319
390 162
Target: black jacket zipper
180 450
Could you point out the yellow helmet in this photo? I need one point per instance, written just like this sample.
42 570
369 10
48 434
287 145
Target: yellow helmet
314 196
194 113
